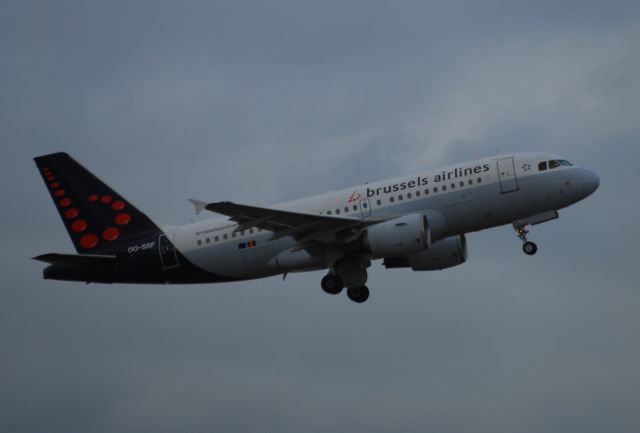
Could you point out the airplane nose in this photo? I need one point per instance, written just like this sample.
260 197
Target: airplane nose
589 181
594 181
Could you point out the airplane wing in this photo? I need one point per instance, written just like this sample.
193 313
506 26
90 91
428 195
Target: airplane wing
303 227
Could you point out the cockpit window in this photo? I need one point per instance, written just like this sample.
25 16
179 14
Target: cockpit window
542 166
565 163
553 164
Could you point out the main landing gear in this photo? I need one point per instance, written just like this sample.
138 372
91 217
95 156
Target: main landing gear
351 273
332 284
528 247
358 294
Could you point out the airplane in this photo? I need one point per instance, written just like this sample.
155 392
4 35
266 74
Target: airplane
416 221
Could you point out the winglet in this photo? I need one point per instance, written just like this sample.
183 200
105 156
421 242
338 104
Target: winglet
199 205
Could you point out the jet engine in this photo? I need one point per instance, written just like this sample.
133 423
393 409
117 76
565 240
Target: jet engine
403 235
446 253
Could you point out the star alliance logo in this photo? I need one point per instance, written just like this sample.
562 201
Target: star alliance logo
526 167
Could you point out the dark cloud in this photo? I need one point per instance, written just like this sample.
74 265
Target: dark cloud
267 101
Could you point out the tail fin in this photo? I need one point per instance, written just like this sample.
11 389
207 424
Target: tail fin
97 218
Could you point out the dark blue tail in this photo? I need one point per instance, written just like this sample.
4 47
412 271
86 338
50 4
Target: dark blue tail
98 219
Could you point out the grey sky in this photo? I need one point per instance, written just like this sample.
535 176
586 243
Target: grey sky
267 101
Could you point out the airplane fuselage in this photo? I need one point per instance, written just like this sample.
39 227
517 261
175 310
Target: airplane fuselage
458 199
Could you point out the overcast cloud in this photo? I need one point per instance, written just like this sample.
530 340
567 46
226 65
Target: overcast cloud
262 102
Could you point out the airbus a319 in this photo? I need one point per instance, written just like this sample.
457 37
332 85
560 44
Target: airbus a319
417 222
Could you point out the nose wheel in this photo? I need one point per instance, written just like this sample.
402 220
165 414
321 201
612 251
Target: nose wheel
528 247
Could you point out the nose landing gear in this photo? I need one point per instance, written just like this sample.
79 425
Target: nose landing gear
528 247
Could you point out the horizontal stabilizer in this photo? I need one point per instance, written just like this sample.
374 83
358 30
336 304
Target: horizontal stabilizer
76 259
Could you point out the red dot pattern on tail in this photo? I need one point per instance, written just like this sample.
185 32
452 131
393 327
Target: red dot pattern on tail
110 234
123 218
72 213
79 226
88 241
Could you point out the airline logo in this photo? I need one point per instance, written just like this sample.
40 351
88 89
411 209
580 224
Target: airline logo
355 196
77 212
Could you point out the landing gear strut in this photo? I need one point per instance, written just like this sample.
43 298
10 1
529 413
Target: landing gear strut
528 247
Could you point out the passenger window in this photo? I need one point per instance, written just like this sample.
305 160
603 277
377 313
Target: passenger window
408 195
346 209
328 212
365 205
224 236
417 193
400 197
435 189
453 186
199 242
426 192
355 207
337 211
461 184
470 182
208 240
553 164
391 199
479 180
542 166
216 238
444 187
379 202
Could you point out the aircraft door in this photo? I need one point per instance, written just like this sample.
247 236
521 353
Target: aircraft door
507 174
168 255
365 207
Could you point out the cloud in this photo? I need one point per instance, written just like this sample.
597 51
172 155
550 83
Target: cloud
264 102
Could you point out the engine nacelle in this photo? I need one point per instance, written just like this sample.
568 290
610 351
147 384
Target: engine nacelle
446 253
400 236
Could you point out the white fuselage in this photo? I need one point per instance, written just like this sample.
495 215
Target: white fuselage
470 196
